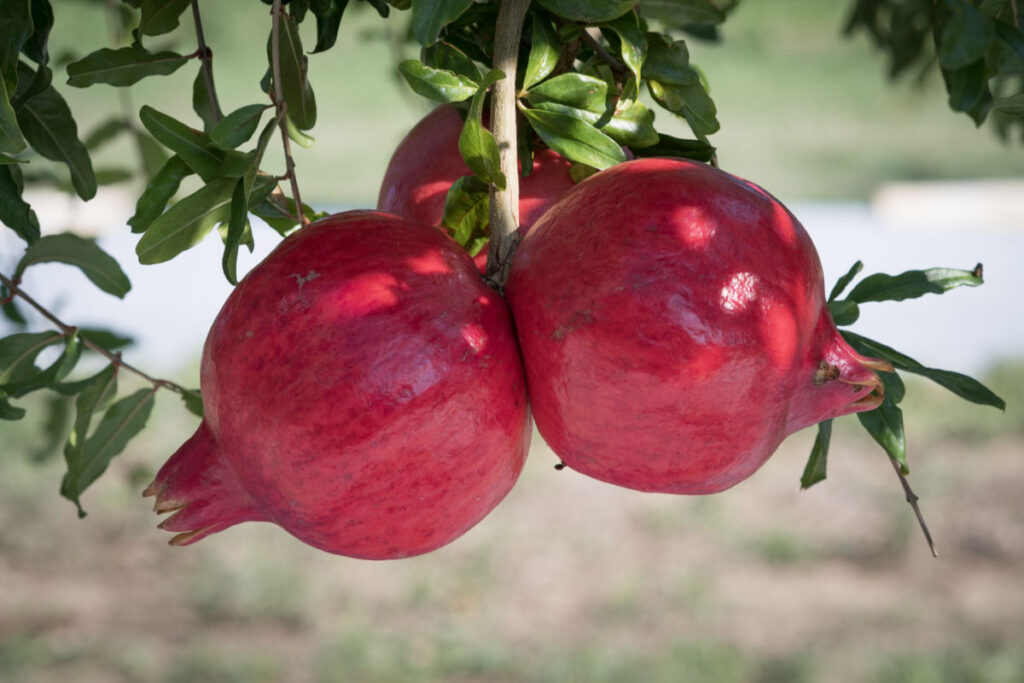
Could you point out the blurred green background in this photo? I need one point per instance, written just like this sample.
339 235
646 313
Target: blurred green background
569 579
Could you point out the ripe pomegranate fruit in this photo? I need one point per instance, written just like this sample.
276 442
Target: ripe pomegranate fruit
673 323
343 396
427 162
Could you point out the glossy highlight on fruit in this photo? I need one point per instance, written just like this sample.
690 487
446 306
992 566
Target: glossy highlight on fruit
673 323
363 390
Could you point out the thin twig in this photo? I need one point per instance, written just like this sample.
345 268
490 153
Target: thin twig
1016 19
206 55
597 47
505 203
282 108
912 499
113 356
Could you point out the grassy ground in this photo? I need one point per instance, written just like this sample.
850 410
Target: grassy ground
805 112
568 580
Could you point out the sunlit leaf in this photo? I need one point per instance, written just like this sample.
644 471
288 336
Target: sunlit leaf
912 284
437 84
238 126
545 51
186 223
295 87
477 145
575 139
843 282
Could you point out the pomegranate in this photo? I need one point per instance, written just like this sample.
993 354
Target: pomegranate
343 396
673 323
427 162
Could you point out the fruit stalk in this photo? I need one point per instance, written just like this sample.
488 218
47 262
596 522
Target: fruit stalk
505 203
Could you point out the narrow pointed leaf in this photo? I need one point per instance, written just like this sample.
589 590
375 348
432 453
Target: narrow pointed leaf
669 146
35 48
57 371
7 411
817 463
193 401
238 126
239 214
437 84
885 425
18 353
844 282
588 11
545 50
297 136
186 223
632 125
690 101
328 15
158 192
11 139
966 35
633 48
15 212
575 139
573 90
160 16
467 212
912 284
15 29
122 67
203 103
844 312
668 61
195 147
430 16
477 145
298 94
97 265
46 123
445 56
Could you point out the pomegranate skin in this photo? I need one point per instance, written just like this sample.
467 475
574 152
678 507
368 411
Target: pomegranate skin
673 323
427 162
344 401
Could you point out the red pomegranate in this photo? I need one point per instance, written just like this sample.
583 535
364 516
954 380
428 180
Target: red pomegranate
343 396
427 162
673 323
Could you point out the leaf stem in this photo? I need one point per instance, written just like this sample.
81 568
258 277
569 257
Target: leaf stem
505 203
282 108
206 55
113 356
912 498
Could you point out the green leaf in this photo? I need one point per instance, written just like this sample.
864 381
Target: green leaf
186 223
684 12
966 35
545 51
15 212
160 16
844 282
477 145
1011 106
913 283
447 57
573 90
111 341
328 15
430 16
7 411
969 91
817 463
195 148
439 85
588 11
633 48
158 192
122 67
885 425
467 212
60 369
668 146
963 386
193 401
238 126
203 104
668 61
632 125
295 87
11 139
46 122
239 214
15 29
692 102
895 390
297 136
18 353
575 139
104 132
844 312
97 265
153 154
54 428
35 47
112 176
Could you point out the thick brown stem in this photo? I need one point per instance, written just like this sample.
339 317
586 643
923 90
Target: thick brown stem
505 203
282 109
113 357
206 55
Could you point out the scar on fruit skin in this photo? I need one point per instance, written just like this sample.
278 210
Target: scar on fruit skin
301 280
